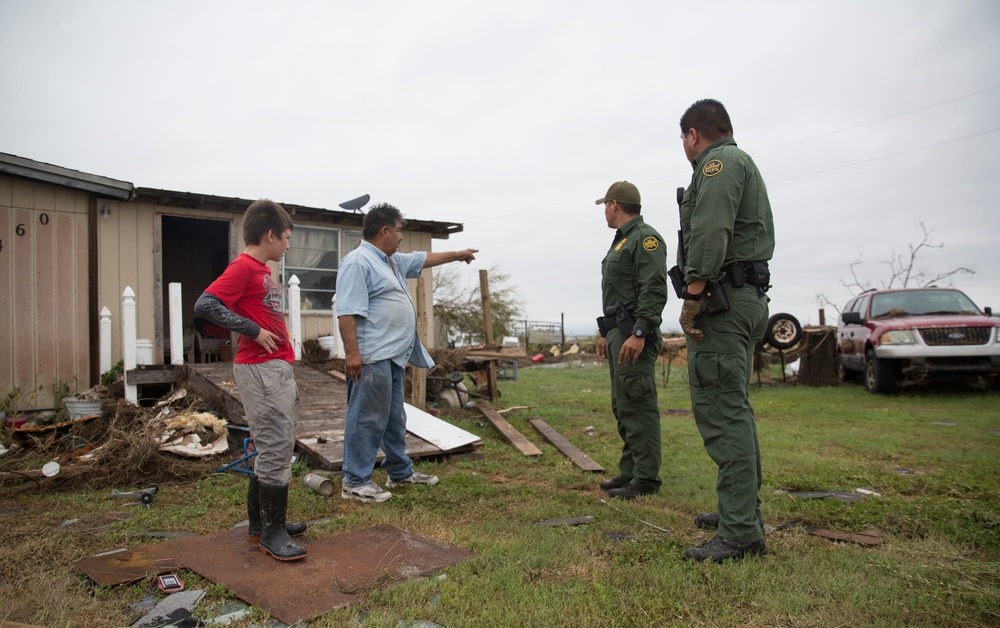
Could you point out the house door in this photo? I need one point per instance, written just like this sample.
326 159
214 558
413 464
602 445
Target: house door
194 252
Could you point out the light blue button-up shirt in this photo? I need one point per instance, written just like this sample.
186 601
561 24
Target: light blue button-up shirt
374 291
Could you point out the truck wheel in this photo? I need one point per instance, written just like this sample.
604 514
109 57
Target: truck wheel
880 376
783 331
845 374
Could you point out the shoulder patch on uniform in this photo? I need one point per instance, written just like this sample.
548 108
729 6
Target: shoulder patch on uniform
650 243
712 168
619 247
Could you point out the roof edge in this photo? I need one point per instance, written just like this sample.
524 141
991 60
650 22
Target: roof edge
171 198
48 173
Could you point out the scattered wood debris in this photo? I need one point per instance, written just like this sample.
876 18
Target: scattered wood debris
508 431
557 440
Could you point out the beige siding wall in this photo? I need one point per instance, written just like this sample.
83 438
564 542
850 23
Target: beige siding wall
125 259
44 334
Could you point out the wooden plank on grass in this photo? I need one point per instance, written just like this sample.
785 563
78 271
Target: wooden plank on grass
508 431
557 440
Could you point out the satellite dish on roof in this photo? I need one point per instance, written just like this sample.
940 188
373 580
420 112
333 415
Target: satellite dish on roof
356 204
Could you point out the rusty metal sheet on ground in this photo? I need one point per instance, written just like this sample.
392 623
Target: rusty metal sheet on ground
124 566
338 569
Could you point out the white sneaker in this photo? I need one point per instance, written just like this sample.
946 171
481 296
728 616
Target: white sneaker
368 492
416 478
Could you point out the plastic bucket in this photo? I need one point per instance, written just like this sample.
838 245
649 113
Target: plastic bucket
328 344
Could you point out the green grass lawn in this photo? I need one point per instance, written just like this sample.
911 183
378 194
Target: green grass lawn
938 566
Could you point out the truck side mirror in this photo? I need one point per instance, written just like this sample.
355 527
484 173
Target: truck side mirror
988 310
851 318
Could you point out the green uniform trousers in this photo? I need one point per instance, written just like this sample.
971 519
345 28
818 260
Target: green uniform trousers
720 367
633 402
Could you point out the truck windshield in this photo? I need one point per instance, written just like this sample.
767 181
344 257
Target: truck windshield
921 302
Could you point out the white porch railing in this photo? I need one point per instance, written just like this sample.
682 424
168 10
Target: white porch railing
130 355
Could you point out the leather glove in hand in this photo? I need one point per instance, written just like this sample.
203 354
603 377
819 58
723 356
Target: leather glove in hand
689 310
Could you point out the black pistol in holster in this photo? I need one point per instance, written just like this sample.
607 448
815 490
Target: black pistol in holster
617 315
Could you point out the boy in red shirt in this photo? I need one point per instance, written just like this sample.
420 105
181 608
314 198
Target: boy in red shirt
245 299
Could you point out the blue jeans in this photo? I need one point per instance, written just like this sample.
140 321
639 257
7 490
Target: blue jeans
375 418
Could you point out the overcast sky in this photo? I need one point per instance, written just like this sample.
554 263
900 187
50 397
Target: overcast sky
865 118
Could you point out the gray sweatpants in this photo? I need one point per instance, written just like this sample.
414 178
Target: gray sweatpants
271 403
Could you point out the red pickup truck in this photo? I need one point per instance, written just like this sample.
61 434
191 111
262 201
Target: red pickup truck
891 338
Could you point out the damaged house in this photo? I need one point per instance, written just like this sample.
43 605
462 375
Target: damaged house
71 242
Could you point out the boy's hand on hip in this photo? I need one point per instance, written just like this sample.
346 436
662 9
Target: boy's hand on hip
267 340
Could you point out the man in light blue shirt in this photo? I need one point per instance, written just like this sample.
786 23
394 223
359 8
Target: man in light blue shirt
379 326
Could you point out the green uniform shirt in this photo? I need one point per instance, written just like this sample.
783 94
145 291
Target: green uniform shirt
725 213
635 272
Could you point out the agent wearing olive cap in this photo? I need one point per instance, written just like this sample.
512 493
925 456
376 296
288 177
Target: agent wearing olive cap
728 237
634 292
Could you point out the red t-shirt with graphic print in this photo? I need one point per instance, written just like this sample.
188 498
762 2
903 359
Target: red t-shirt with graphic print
247 289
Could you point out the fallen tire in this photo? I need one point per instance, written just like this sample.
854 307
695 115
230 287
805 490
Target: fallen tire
783 331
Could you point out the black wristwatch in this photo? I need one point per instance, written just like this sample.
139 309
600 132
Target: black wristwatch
692 297
638 333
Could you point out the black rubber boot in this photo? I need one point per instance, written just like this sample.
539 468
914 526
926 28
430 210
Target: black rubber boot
253 513
274 539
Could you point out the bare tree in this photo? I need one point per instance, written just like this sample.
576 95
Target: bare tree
458 303
903 270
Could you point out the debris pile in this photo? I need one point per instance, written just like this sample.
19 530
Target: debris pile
123 445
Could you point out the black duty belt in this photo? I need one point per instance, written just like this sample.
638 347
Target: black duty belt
740 274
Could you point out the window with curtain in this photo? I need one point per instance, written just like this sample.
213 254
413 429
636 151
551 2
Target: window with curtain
313 257
351 241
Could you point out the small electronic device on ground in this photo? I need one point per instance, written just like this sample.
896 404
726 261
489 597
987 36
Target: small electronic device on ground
169 583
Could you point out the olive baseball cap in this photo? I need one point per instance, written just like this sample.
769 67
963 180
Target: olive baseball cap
623 192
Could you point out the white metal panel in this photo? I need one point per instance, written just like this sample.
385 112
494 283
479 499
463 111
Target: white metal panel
439 433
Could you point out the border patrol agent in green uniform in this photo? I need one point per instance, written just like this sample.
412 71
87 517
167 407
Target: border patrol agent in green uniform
634 292
727 234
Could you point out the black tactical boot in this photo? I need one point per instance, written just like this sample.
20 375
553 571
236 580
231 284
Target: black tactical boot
274 539
253 513
719 549
616 482
707 520
630 491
